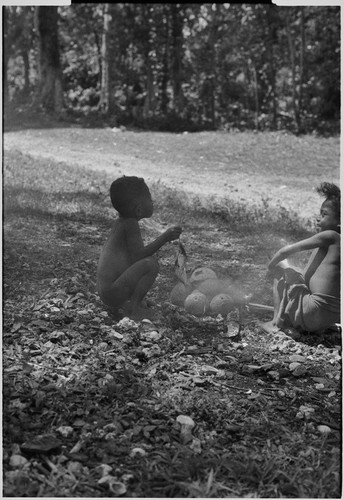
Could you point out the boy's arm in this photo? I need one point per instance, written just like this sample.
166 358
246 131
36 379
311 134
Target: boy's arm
135 244
320 240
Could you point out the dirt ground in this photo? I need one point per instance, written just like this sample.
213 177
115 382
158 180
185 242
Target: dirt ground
92 405
245 167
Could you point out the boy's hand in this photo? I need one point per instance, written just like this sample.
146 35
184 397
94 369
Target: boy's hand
173 233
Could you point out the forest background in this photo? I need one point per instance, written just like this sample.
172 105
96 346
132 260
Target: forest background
176 67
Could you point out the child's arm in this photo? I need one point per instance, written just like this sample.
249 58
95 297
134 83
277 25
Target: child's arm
320 240
135 244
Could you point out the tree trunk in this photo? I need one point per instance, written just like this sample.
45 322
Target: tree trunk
150 101
271 17
177 42
291 43
26 63
49 95
213 66
99 50
165 72
6 56
105 87
253 71
256 98
302 62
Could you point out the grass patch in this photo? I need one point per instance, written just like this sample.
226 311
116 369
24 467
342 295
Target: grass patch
46 187
65 364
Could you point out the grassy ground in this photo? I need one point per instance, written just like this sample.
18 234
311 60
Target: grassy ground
107 395
275 168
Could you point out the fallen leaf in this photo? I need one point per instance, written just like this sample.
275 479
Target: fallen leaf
179 265
297 357
41 444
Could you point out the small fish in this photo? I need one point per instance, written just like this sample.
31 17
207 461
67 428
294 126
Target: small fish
179 265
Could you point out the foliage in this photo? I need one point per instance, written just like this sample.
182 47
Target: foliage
193 66
106 397
19 53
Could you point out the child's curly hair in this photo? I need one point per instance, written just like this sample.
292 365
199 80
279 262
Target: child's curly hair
331 192
124 191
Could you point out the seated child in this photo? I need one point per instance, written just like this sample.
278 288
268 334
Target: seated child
127 269
310 301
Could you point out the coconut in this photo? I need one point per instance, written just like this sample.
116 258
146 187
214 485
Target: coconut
196 303
221 304
179 293
212 287
202 274
236 293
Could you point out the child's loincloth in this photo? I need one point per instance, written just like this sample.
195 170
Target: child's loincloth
305 310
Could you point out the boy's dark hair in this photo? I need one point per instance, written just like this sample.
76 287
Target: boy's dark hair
331 192
124 191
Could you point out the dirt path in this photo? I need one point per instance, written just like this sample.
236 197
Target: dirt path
245 167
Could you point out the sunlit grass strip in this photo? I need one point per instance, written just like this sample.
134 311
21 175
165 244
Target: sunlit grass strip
37 186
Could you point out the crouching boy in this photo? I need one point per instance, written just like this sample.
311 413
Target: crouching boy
310 300
127 269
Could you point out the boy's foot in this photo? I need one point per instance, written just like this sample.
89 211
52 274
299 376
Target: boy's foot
140 313
269 327
115 314
293 333
146 303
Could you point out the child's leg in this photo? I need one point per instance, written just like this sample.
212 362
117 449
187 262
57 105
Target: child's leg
132 286
279 297
272 326
137 309
290 276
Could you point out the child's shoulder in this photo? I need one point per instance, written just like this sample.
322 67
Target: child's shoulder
330 236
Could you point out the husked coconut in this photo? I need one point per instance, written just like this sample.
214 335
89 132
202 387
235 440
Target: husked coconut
236 293
179 293
201 274
212 287
196 303
221 304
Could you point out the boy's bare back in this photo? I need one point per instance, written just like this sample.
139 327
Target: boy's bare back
116 255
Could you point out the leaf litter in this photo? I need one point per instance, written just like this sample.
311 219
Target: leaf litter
92 405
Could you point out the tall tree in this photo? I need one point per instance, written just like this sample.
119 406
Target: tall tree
49 95
147 39
105 102
270 42
294 66
9 37
165 60
177 56
18 36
